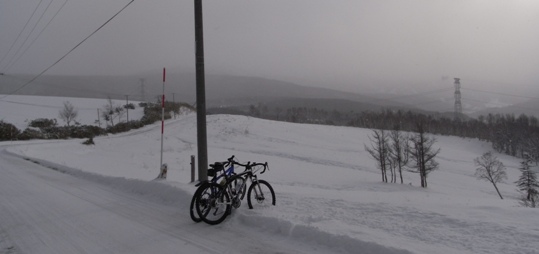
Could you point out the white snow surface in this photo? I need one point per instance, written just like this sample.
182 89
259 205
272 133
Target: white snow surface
19 110
330 198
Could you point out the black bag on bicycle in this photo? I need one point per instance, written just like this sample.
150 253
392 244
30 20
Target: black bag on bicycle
214 168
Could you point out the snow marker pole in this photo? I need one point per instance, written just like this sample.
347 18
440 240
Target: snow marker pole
162 119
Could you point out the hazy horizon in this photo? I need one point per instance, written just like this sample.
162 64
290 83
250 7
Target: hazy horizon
346 45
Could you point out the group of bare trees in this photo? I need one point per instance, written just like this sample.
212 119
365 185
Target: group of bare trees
490 169
109 113
396 152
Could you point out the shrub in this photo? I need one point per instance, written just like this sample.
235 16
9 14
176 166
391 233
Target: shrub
43 123
89 141
129 106
86 131
30 133
152 114
125 126
8 131
54 132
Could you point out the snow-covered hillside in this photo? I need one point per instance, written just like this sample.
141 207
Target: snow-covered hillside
329 192
19 110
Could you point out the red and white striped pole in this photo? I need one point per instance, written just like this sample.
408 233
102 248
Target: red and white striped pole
162 117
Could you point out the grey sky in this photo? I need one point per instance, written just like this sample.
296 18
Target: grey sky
339 43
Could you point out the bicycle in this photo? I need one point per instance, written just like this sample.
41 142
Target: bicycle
212 172
214 201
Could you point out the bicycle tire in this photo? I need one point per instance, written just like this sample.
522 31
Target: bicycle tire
192 209
260 199
193 212
213 204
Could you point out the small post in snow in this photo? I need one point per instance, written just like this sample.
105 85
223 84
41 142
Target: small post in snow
162 166
192 168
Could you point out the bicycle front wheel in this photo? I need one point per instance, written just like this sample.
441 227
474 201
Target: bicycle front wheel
260 194
213 204
192 209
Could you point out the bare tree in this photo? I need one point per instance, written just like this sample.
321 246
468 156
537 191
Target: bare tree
68 113
111 112
398 153
108 112
379 150
489 168
421 152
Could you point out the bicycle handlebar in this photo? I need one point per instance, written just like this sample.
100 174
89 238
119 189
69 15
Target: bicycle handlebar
228 161
265 165
248 165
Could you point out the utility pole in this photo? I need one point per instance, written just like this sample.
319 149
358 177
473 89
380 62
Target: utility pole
98 118
162 119
174 105
202 142
127 106
458 105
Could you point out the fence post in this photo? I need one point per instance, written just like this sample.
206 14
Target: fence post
192 168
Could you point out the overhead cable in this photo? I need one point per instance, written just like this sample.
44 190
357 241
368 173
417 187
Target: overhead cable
18 36
498 93
35 39
39 75
12 61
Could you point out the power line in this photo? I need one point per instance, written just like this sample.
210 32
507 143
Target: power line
39 75
11 61
53 107
400 97
413 95
498 93
18 36
70 88
510 105
41 105
35 39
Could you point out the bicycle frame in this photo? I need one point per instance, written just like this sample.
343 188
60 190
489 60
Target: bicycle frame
226 174
248 174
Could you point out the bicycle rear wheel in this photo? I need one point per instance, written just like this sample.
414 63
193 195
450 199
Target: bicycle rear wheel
212 204
260 194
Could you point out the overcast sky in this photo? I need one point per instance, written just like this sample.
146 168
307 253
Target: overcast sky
338 43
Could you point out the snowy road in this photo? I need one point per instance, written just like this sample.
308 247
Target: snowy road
46 211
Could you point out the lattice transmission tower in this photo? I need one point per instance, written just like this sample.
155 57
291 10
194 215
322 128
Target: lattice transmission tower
458 105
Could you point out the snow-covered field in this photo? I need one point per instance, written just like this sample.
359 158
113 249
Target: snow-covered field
19 110
329 192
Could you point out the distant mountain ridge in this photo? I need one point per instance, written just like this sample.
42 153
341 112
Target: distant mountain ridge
220 89
240 91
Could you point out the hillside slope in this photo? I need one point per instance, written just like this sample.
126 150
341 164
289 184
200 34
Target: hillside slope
329 192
